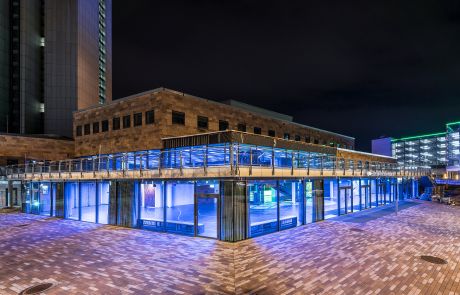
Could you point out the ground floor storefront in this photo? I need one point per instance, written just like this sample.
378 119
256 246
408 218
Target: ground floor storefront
224 209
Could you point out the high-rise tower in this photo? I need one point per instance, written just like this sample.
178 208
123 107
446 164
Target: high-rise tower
55 58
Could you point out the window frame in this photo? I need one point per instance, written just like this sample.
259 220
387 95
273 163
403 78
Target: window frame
137 119
174 117
116 124
149 115
127 121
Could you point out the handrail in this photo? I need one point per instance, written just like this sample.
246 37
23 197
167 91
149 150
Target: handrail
228 155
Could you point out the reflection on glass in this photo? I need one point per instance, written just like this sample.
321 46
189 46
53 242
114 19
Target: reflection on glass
180 207
330 198
356 197
290 194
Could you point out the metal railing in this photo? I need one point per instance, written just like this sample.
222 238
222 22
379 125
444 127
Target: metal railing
232 158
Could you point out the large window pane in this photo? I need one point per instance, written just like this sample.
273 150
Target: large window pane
88 201
207 192
152 205
103 203
180 207
356 198
309 201
330 198
72 203
263 211
290 196
45 198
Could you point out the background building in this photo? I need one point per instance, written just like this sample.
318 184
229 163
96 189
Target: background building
435 150
55 58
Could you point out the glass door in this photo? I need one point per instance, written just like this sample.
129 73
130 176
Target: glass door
346 202
207 208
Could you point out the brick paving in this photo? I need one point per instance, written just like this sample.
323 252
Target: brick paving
330 257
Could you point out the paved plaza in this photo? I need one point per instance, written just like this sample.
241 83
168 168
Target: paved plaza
356 254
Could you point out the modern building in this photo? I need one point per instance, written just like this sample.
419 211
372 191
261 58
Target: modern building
55 58
435 150
171 162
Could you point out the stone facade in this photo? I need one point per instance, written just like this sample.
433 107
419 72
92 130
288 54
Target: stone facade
19 148
163 102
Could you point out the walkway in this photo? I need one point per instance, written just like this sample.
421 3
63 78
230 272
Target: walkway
342 256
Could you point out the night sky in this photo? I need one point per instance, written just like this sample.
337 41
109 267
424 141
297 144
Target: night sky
360 68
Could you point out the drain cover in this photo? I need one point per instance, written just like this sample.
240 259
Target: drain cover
356 229
36 289
433 259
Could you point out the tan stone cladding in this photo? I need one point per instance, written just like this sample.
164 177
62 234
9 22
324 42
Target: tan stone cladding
19 148
163 102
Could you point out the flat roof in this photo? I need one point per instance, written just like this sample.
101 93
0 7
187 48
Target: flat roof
419 136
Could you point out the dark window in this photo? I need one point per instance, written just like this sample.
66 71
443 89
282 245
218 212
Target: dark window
271 133
178 118
87 129
242 127
286 136
202 122
223 125
257 130
126 121
79 130
96 127
307 139
105 125
137 118
316 141
149 117
116 123
331 144
297 138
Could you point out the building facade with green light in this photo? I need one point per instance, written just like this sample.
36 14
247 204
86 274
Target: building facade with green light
435 150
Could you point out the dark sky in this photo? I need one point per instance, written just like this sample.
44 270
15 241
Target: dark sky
361 68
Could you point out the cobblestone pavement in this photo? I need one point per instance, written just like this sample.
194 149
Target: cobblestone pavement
378 256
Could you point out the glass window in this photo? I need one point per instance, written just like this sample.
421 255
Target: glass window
271 133
152 205
286 136
242 127
88 201
96 127
202 122
330 198
137 117
87 129
309 201
71 201
307 139
263 211
180 206
223 125
149 117
105 125
79 130
316 141
290 199
127 121
297 137
178 118
257 130
207 193
45 198
103 202
116 123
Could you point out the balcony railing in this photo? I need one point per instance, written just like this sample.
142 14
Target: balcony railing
235 160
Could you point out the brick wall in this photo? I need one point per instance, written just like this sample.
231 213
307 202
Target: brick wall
164 102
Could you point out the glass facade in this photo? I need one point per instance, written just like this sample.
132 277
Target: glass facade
198 207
